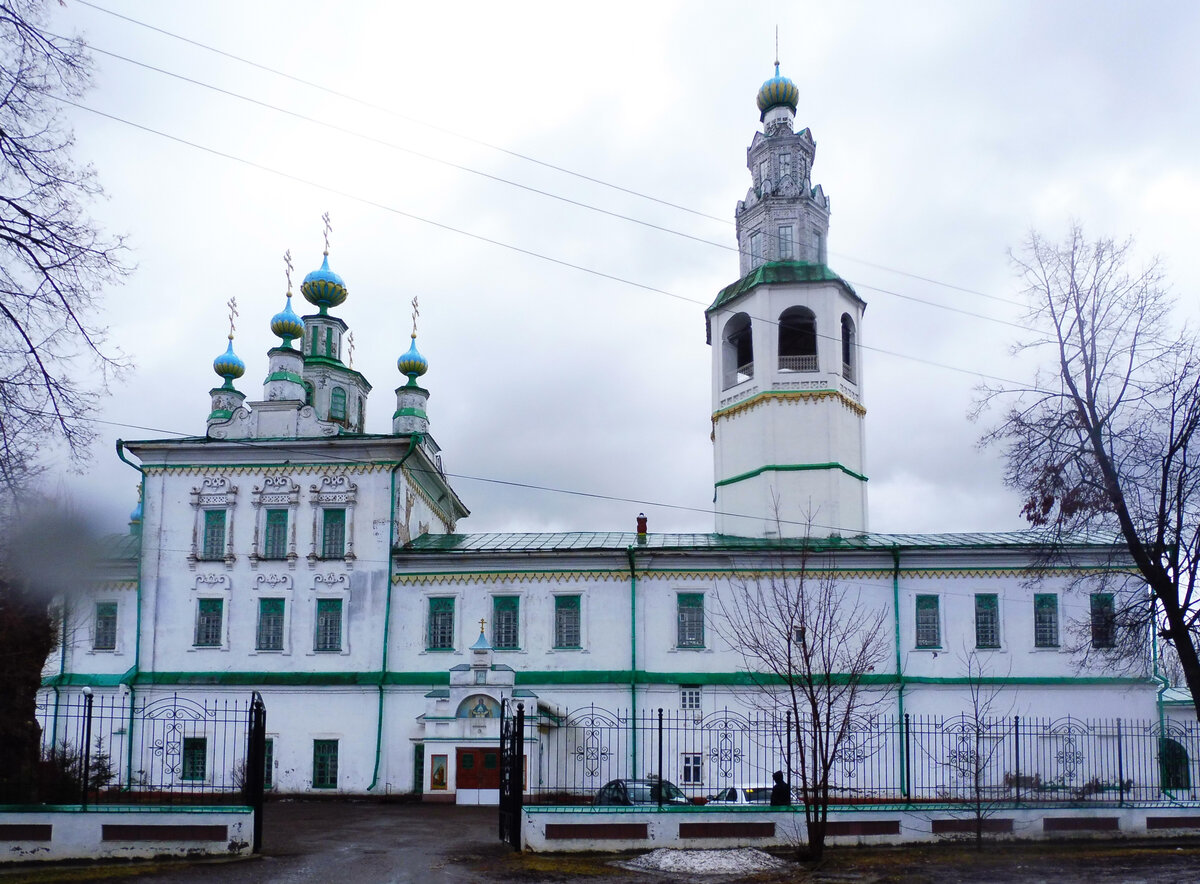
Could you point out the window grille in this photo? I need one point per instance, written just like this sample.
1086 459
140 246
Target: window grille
208 623
269 764
929 634
689 698
325 764
270 625
567 633
329 625
195 759
692 774
441 625
214 534
1045 620
506 622
275 545
333 536
105 638
691 620
987 621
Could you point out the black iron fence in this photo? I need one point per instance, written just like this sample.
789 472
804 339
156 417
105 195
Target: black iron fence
925 759
102 748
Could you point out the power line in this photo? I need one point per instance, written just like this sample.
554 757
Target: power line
471 139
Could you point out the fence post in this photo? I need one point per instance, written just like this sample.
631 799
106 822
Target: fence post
87 741
256 764
787 742
1017 753
661 778
907 784
1120 764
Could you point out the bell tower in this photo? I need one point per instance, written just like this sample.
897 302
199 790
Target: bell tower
788 436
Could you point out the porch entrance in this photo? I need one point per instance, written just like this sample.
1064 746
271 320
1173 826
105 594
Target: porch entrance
477 775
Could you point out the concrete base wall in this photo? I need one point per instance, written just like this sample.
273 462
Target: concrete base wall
575 829
62 833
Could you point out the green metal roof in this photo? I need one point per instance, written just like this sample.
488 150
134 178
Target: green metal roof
778 272
584 541
120 547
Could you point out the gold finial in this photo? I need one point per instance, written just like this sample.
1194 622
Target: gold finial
287 263
481 623
416 311
233 311
777 50
350 347
328 227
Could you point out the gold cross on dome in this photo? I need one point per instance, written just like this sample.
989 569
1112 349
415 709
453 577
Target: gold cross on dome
481 623
287 263
416 311
328 227
233 311
350 347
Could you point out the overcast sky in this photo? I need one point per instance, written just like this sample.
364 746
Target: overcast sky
945 132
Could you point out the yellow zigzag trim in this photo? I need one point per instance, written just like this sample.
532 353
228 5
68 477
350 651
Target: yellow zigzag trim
507 577
789 396
447 525
274 469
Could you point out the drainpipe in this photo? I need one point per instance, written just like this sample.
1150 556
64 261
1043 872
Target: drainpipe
129 677
62 670
899 667
632 660
387 612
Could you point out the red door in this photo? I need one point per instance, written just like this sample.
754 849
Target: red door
478 769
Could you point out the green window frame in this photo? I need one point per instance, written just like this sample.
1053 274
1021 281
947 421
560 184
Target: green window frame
194 763
329 625
929 626
506 622
440 635
329 342
104 638
337 404
690 620
1104 620
1045 620
987 620
333 534
269 636
214 534
567 631
325 764
275 543
209 616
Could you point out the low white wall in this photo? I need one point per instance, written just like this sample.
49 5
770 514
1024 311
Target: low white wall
62 833
577 829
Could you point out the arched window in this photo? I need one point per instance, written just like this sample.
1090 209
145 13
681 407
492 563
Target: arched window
308 393
848 349
737 357
1173 759
337 404
797 340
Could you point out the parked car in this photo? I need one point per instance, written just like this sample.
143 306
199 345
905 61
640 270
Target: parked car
627 793
742 795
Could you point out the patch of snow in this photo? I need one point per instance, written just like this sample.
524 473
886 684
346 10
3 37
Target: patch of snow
716 862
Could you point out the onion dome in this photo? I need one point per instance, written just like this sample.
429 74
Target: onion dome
286 324
229 365
135 517
323 288
777 92
413 363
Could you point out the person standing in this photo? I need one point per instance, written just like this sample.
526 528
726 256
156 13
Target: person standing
781 792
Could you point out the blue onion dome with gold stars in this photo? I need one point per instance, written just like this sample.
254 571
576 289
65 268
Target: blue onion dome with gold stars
286 324
413 363
229 365
323 288
778 92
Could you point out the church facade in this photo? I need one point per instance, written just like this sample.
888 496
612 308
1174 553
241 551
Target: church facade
287 551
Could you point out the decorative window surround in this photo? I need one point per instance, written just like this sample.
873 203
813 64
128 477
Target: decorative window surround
278 586
329 586
206 588
276 492
213 493
335 492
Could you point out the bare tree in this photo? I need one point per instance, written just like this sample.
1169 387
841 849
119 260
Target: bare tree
811 644
54 260
1103 443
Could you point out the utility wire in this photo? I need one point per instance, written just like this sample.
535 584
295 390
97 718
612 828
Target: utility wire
471 139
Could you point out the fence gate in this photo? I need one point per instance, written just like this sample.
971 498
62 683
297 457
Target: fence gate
512 774
256 764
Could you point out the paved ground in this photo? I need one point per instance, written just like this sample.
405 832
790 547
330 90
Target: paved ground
359 841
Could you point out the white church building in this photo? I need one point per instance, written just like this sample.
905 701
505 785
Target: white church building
285 551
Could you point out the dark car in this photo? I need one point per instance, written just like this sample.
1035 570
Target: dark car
627 793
